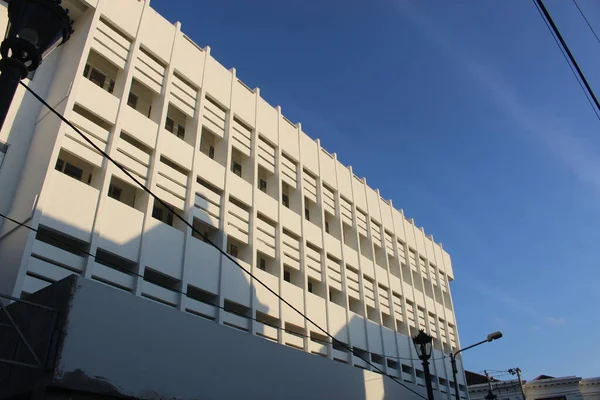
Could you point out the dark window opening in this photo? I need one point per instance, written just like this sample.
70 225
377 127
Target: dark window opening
285 200
236 168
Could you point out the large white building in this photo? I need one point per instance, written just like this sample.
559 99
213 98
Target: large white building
234 167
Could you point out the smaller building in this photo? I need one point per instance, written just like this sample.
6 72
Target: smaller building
543 387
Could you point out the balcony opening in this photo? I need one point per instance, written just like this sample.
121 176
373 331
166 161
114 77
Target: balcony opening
144 100
377 359
293 276
380 256
266 263
319 340
238 249
267 182
407 369
297 332
117 263
317 288
162 280
204 297
290 198
402 327
393 364
93 118
180 125
372 314
355 306
204 232
340 346
312 212
332 225
101 72
77 169
213 146
387 321
270 321
365 247
62 241
349 236
336 296
237 309
241 165
394 266
406 274
163 214
267 320
126 194
362 354
417 282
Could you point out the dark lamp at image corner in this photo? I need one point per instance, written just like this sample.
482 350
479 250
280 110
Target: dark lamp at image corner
35 28
423 343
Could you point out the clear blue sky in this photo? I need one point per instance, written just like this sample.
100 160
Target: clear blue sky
466 114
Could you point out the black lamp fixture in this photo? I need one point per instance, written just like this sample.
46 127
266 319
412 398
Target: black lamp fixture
423 344
35 28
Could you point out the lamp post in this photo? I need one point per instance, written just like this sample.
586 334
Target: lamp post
35 28
492 336
422 344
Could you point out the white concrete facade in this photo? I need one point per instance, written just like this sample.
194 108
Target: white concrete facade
236 168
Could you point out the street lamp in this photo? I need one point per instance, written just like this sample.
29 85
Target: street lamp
492 336
423 344
35 28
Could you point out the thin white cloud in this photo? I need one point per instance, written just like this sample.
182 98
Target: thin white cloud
516 304
548 131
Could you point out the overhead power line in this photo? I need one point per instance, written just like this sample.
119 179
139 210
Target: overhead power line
586 20
170 209
568 56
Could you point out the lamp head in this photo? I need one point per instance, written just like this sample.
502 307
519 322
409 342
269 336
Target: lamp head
35 28
494 336
423 344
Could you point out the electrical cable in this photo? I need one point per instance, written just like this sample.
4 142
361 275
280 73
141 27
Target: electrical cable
586 21
170 209
577 73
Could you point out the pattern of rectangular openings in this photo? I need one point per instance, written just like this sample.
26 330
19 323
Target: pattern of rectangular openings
352 282
266 154
389 243
384 300
376 233
242 136
361 220
313 261
369 291
111 43
310 185
172 179
288 170
334 272
346 210
214 117
133 155
265 234
239 218
149 70
329 199
291 249
208 200
397 299
184 94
